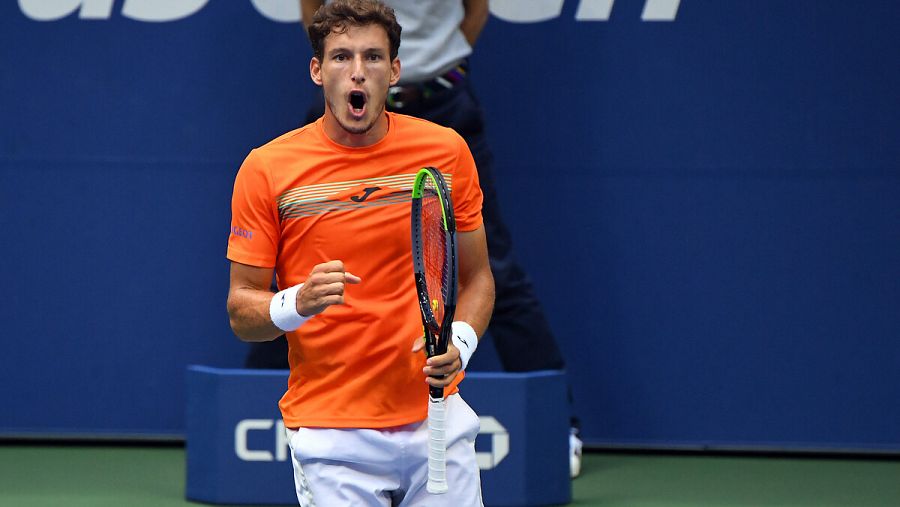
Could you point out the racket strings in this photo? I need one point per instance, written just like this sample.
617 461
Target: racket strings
434 250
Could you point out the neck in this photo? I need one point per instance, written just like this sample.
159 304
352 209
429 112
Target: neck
337 133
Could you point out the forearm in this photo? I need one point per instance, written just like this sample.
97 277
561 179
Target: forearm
474 19
474 305
248 312
251 309
475 301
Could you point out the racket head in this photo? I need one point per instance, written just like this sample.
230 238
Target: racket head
434 257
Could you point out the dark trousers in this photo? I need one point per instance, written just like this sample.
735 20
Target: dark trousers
519 328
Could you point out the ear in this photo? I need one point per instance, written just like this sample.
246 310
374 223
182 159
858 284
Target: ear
395 71
315 71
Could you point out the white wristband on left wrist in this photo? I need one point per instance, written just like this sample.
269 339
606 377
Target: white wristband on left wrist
466 340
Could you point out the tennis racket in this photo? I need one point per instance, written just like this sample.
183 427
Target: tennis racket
434 263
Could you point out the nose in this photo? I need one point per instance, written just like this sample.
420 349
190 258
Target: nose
357 71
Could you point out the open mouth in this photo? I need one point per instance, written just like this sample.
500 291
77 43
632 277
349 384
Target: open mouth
357 102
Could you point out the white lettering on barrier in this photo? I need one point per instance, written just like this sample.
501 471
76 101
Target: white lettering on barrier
486 460
499 443
534 11
248 425
288 11
51 10
240 439
284 11
282 444
660 10
161 10
654 10
594 10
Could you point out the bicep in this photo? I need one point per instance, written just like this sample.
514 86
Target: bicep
244 276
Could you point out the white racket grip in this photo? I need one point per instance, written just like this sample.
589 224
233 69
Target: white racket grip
437 446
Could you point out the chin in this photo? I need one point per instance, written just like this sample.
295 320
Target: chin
357 127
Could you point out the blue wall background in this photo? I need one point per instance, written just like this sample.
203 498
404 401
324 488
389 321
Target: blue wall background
708 207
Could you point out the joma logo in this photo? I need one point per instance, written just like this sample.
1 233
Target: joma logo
365 195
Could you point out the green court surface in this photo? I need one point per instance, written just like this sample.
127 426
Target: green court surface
100 476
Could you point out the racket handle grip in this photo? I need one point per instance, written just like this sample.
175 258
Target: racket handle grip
437 445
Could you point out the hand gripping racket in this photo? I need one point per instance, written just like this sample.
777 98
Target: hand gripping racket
434 263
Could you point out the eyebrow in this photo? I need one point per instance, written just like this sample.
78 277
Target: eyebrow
371 50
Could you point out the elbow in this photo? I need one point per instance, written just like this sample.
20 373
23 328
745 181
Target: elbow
491 290
234 319
240 331
235 328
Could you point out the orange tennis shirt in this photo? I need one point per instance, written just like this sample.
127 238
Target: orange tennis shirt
302 200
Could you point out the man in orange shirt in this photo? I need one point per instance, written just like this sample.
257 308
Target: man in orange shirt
326 207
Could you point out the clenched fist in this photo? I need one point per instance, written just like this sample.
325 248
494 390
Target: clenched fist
323 288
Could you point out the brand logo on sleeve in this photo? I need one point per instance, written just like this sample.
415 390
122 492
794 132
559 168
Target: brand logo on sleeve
241 233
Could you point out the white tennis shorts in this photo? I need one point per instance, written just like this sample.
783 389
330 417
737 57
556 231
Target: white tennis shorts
385 467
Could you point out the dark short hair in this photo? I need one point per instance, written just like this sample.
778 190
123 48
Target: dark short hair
339 15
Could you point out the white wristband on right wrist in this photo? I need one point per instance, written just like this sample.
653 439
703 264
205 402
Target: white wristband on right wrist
283 309
466 340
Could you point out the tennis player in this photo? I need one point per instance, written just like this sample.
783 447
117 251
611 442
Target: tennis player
326 207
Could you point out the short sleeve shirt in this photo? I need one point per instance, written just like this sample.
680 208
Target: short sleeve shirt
302 200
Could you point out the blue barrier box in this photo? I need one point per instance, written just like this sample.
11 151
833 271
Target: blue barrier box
237 452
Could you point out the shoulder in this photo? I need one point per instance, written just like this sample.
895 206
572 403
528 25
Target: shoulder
273 154
260 161
289 139
419 132
411 125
